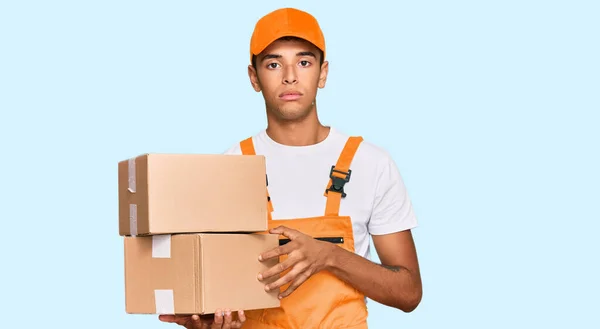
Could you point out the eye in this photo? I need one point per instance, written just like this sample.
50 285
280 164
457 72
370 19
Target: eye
272 65
304 63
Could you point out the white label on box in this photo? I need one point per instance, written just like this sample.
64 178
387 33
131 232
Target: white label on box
161 246
133 219
164 301
132 182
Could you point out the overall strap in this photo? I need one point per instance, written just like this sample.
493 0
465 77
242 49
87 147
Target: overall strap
247 147
340 175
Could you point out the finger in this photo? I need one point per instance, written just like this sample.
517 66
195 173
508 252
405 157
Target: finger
227 320
241 316
300 279
218 321
289 277
196 322
277 269
278 251
166 318
288 232
183 320
179 319
237 324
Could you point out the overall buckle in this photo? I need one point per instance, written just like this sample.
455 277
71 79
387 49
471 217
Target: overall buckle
337 183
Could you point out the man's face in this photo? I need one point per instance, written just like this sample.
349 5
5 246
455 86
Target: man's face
288 74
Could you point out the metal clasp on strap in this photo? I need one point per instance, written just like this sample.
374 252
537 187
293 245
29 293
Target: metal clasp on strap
337 183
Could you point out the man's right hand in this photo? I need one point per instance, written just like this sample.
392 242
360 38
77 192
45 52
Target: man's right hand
220 320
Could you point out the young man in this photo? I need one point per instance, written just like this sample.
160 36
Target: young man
328 192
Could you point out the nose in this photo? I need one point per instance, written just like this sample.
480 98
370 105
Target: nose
289 77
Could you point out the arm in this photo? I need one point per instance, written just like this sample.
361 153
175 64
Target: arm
396 282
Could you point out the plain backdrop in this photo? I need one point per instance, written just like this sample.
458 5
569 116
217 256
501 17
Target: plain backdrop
490 109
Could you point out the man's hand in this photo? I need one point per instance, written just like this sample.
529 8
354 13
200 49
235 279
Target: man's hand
220 320
306 256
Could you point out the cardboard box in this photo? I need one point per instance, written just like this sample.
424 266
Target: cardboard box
191 193
197 273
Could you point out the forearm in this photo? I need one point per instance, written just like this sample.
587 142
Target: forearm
393 286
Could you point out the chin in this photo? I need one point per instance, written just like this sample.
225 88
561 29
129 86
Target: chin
292 115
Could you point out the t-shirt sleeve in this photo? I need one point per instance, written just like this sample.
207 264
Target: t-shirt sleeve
392 207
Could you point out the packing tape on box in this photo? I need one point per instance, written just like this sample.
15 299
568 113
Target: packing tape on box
132 207
161 246
132 176
163 298
133 219
164 301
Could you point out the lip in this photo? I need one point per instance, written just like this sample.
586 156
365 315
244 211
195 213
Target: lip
290 95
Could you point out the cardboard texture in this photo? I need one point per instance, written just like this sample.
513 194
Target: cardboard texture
197 273
190 193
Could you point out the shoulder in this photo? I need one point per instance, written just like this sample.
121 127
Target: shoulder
391 205
236 149
375 164
370 155
374 152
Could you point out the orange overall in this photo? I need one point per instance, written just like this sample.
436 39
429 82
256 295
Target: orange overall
322 301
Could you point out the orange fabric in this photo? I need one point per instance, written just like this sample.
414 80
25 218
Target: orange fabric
343 165
322 301
286 22
247 147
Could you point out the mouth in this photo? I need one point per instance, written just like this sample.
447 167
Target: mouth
290 95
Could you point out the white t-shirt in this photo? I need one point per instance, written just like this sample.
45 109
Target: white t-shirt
376 201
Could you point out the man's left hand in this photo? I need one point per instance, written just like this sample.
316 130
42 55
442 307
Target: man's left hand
306 256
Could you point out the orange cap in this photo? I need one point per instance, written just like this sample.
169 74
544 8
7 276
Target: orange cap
286 22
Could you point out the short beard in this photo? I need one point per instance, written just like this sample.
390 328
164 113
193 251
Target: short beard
283 117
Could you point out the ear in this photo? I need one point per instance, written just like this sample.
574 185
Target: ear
323 74
253 75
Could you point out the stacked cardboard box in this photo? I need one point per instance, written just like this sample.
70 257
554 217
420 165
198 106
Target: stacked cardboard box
193 227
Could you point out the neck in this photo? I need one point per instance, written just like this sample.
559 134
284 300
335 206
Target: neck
304 132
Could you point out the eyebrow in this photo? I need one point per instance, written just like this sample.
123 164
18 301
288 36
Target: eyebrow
302 53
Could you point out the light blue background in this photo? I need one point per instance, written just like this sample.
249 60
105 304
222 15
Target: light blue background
490 109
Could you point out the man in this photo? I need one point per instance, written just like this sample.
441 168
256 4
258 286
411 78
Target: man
328 193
